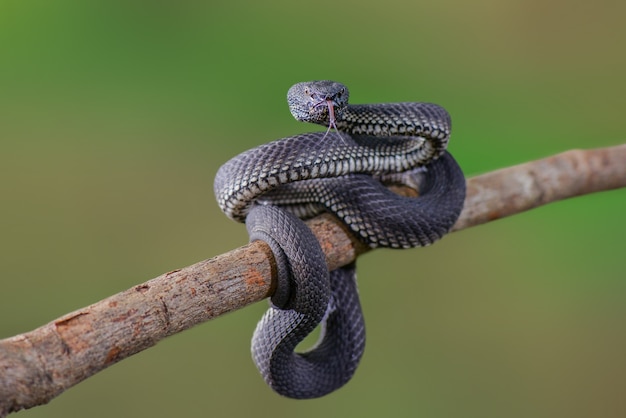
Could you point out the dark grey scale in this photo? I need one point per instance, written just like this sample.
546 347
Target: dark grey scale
274 185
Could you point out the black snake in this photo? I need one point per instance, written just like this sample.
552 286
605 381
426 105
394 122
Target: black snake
344 172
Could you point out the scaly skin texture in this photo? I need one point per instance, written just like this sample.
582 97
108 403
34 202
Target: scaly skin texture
341 173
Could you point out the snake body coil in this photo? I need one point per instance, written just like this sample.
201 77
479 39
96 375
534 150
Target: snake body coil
274 185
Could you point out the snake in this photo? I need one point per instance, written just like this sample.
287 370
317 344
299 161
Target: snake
345 171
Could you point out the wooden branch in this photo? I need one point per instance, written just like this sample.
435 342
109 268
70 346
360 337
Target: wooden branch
37 366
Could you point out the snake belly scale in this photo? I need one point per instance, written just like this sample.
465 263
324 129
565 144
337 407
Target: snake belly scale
343 171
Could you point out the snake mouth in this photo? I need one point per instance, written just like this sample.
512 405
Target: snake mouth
331 105
331 101
328 103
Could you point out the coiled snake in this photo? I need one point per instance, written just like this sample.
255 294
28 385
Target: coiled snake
273 186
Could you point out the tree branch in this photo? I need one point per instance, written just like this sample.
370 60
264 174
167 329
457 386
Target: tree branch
38 365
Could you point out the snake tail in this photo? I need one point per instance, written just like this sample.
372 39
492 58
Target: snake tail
331 300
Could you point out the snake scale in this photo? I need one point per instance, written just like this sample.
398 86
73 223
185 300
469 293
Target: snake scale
344 171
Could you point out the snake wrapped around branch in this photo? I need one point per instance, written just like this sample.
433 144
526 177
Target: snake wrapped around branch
344 171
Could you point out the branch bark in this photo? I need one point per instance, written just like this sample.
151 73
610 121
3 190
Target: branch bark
39 365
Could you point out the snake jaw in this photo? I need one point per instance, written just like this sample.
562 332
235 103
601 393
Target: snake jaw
332 120
328 106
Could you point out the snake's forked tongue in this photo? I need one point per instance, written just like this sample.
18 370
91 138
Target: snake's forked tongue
332 120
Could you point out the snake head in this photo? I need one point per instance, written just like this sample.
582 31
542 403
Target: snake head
320 102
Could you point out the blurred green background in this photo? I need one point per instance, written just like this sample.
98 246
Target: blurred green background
115 115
